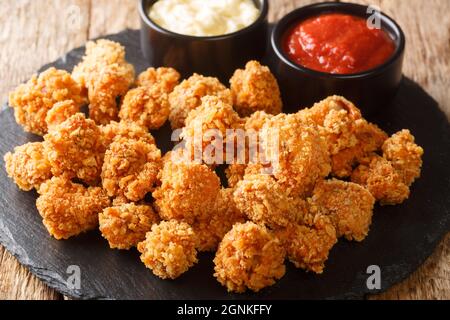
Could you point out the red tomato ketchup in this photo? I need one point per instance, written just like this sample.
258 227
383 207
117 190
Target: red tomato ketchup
338 43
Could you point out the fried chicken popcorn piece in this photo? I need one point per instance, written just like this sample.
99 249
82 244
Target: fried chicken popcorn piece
382 180
169 249
405 155
235 173
308 246
255 89
188 191
266 203
187 97
28 166
166 79
349 206
33 100
130 168
126 225
106 75
69 209
298 155
75 149
335 117
60 112
147 106
224 215
216 117
249 256
369 137
124 129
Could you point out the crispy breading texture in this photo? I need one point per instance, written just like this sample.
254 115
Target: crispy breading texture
187 97
106 75
349 206
382 180
28 166
224 215
69 209
60 112
131 168
75 149
126 225
169 249
249 256
308 246
298 155
124 129
405 155
33 100
255 89
188 191
166 79
147 106
335 118
207 134
265 202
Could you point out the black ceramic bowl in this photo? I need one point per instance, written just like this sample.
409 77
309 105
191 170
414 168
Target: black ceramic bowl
217 56
370 90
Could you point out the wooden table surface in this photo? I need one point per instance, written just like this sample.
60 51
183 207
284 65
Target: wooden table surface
34 32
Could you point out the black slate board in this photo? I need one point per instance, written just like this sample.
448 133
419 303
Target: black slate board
401 237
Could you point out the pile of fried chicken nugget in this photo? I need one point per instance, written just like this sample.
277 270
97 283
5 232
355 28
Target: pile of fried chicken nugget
97 171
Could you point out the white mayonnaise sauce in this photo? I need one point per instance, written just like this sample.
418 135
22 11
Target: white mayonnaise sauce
204 18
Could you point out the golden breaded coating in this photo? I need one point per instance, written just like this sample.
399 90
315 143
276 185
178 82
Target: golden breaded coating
60 112
106 75
126 225
106 88
349 206
308 246
69 209
187 192
298 155
75 149
206 129
369 137
224 215
120 200
28 166
405 155
169 249
382 180
265 202
187 97
335 117
124 129
249 256
32 101
255 89
148 107
166 79
257 120
131 168
98 54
